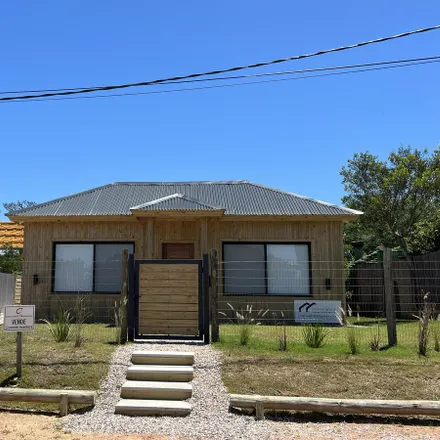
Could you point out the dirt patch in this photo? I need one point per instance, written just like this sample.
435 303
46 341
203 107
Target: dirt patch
14 426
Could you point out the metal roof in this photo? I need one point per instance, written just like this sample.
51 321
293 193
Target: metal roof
235 197
175 202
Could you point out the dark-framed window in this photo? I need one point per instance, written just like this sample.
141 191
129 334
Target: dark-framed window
267 268
88 266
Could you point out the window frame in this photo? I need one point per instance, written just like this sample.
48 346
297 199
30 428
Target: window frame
265 244
94 243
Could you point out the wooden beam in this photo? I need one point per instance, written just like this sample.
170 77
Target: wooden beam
123 306
347 406
149 249
213 294
203 246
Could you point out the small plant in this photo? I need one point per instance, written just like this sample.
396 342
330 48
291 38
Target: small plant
60 327
375 341
80 317
424 317
282 339
314 335
436 334
353 340
246 319
245 334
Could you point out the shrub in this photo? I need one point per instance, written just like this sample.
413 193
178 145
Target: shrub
60 327
436 334
353 340
314 335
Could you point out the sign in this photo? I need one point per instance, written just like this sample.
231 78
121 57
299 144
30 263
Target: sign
19 318
317 311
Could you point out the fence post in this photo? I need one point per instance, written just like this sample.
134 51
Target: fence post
124 296
389 298
131 326
206 305
213 284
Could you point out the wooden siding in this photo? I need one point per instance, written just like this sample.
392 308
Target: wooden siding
164 290
148 235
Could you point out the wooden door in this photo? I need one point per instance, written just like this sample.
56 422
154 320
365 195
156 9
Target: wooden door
178 251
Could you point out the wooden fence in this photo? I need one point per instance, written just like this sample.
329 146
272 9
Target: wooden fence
410 280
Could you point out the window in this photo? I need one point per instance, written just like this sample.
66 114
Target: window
267 268
88 267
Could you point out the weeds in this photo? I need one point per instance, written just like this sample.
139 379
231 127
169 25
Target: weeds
282 339
60 327
436 334
375 341
353 340
424 317
80 317
314 335
245 334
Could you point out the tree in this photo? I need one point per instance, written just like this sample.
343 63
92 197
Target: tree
400 199
11 260
20 204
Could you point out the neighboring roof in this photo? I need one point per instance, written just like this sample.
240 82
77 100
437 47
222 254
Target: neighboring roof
174 202
235 197
12 234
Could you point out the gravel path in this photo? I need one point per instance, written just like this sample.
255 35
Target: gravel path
209 418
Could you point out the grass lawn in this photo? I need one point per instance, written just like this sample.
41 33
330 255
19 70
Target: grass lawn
330 371
49 364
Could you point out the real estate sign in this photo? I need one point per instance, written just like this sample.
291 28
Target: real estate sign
317 311
19 318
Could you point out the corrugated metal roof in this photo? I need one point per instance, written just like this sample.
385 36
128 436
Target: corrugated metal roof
12 234
235 197
174 202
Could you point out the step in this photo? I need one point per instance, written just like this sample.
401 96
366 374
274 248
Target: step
138 407
162 357
133 389
172 373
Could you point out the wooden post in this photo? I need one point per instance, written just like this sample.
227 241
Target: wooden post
124 296
259 409
19 353
213 266
64 404
389 298
131 326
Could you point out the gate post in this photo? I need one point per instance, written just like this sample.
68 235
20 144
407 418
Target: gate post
205 268
131 318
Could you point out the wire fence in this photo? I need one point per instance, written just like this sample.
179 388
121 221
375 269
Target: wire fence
283 297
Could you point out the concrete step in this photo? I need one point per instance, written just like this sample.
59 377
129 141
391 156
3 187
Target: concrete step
171 373
133 389
137 407
162 358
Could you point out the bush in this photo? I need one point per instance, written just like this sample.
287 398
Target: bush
282 337
436 335
60 327
425 315
314 335
245 334
80 315
353 340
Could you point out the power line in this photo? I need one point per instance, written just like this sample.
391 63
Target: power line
254 75
217 72
230 85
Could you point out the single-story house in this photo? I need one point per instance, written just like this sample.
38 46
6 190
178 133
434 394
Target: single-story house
273 246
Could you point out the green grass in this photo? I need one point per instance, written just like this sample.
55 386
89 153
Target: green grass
57 365
330 371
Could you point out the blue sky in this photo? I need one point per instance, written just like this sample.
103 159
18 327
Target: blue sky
293 135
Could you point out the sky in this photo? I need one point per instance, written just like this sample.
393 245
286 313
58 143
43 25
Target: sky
292 135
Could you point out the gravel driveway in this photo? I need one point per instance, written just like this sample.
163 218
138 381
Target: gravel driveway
210 418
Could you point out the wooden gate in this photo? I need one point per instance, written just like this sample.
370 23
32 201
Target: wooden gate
170 301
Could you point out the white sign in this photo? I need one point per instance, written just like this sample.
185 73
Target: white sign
19 318
318 311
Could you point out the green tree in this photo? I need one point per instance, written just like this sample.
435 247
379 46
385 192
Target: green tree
15 206
400 198
11 260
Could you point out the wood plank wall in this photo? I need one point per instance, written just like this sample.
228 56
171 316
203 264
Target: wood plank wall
149 234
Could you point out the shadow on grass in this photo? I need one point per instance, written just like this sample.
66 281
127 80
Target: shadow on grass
291 417
6 382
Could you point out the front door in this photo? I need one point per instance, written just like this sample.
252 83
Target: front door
178 251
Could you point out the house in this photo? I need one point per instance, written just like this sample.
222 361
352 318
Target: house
11 234
274 246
